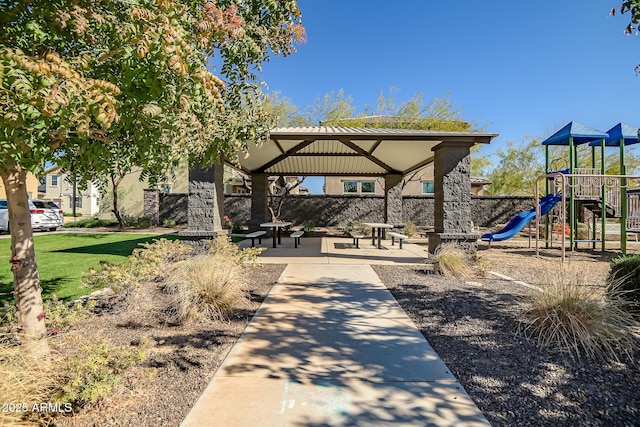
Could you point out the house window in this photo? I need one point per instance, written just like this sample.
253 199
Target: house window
368 187
54 180
428 187
349 187
78 201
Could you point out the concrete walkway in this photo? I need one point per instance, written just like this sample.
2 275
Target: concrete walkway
338 250
330 346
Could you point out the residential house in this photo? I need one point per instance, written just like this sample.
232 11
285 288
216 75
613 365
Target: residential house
415 183
32 187
59 187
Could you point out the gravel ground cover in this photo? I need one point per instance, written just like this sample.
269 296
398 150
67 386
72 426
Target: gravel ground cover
180 364
473 326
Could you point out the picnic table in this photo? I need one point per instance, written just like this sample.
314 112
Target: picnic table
380 226
276 228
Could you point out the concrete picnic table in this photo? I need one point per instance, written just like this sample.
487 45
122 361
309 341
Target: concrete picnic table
276 228
380 226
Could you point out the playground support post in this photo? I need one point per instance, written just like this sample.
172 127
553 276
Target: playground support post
593 216
623 201
603 205
572 208
546 187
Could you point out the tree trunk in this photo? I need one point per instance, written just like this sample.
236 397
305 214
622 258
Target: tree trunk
115 181
26 282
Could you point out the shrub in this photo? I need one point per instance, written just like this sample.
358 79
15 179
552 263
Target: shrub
237 227
169 223
91 223
60 314
146 263
575 318
209 286
356 226
143 222
410 228
8 315
308 226
129 220
623 281
95 369
451 260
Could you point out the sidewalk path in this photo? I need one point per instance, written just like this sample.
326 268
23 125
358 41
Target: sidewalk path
330 346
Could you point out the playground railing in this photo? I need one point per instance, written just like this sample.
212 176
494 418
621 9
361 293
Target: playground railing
591 184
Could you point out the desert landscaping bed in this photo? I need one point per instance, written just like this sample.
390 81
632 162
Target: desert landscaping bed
473 326
179 366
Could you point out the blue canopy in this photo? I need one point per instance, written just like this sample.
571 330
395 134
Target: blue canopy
581 134
620 132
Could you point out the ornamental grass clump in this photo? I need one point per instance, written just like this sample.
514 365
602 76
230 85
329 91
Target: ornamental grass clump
26 381
453 261
209 286
573 317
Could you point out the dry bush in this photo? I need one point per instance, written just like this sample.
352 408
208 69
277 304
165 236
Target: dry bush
26 381
577 318
209 286
147 263
94 368
453 261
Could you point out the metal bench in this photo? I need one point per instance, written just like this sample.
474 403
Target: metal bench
356 238
296 237
398 236
256 234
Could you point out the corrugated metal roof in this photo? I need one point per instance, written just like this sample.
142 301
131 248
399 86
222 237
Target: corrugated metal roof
328 150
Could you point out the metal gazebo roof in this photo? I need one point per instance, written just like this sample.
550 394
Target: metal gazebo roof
344 151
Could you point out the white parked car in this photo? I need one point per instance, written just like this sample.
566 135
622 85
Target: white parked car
45 215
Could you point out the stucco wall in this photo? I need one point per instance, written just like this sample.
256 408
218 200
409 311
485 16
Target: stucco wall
487 211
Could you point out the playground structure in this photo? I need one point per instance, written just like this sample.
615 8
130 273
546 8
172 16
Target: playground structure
578 195
588 194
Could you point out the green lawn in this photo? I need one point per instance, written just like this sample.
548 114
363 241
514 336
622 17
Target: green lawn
62 258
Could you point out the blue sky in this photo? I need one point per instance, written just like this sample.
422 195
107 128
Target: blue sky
521 68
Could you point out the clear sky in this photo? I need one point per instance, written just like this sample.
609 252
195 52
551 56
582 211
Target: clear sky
521 68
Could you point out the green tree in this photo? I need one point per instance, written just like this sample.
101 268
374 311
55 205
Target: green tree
440 114
331 109
518 168
79 77
283 113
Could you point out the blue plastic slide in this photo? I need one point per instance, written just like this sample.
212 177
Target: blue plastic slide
519 221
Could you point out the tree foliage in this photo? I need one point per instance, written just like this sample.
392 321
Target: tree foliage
100 85
518 167
632 7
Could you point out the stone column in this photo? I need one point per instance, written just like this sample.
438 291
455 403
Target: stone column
393 201
206 202
152 205
452 210
259 195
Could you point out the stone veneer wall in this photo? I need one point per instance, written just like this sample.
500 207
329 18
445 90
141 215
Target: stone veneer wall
487 211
